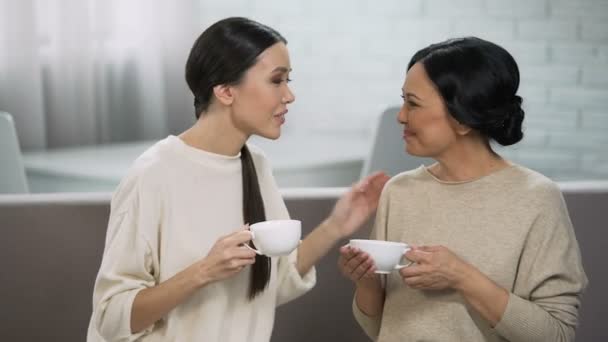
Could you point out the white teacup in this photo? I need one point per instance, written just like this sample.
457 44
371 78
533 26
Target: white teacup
387 255
276 237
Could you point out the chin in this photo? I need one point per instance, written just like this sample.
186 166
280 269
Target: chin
272 135
409 149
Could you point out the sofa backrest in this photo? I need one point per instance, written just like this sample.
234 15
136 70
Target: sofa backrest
51 249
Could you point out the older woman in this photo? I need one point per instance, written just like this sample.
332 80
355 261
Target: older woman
496 257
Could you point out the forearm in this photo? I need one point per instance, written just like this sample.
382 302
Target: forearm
153 303
483 294
368 305
369 297
315 246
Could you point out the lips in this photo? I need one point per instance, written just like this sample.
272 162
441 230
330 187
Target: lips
408 134
281 117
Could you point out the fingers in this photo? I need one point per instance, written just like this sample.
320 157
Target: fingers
374 182
380 183
371 181
345 255
414 282
357 258
240 263
238 256
243 252
358 265
418 256
355 264
429 248
237 238
377 180
376 176
413 270
347 252
231 247
363 187
366 267
234 266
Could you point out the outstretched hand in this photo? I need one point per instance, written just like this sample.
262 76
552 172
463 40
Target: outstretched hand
354 208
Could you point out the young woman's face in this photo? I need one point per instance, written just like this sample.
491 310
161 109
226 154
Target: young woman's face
428 127
260 100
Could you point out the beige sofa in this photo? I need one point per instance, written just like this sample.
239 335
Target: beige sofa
51 246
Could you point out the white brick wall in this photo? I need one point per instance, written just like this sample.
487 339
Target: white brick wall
594 30
527 53
550 118
489 28
517 9
582 9
573 53
446 9
595 76
551 30
349 59
580 97
594 121
549 74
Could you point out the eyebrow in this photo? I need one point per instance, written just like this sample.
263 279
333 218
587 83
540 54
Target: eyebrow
412 95
281 69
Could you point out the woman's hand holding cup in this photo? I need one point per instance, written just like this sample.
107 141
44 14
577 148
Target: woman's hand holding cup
357 266
227 257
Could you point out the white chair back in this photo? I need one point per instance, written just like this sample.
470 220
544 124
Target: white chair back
12 172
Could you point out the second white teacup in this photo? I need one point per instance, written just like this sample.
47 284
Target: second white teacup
276 237
387 255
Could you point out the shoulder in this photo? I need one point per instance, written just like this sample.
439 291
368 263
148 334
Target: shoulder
259 157
534 184
145 176
403 185
406 179
150 167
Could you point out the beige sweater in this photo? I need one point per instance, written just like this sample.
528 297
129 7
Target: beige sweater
513 226
166 214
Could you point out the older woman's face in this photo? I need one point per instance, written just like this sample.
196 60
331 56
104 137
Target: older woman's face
429 129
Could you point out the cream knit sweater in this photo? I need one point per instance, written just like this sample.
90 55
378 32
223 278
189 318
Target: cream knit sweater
513 226
166 214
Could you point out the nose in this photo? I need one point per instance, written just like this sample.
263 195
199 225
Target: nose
288 96
402 115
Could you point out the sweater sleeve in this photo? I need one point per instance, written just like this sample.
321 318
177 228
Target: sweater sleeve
128 266
371 324
291 284
550 280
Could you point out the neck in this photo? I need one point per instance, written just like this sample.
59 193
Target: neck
467 160
215 132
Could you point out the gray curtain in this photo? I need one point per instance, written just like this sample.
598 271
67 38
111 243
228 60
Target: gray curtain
81 72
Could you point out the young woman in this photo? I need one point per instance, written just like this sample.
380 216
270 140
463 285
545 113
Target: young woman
497 259
175 265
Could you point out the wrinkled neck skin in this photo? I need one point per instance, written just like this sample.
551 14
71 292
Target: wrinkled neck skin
469 158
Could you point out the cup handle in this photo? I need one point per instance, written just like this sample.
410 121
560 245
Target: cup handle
251 248
399 266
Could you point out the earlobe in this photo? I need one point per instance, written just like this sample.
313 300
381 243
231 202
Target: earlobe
459 128
224 94
462 129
